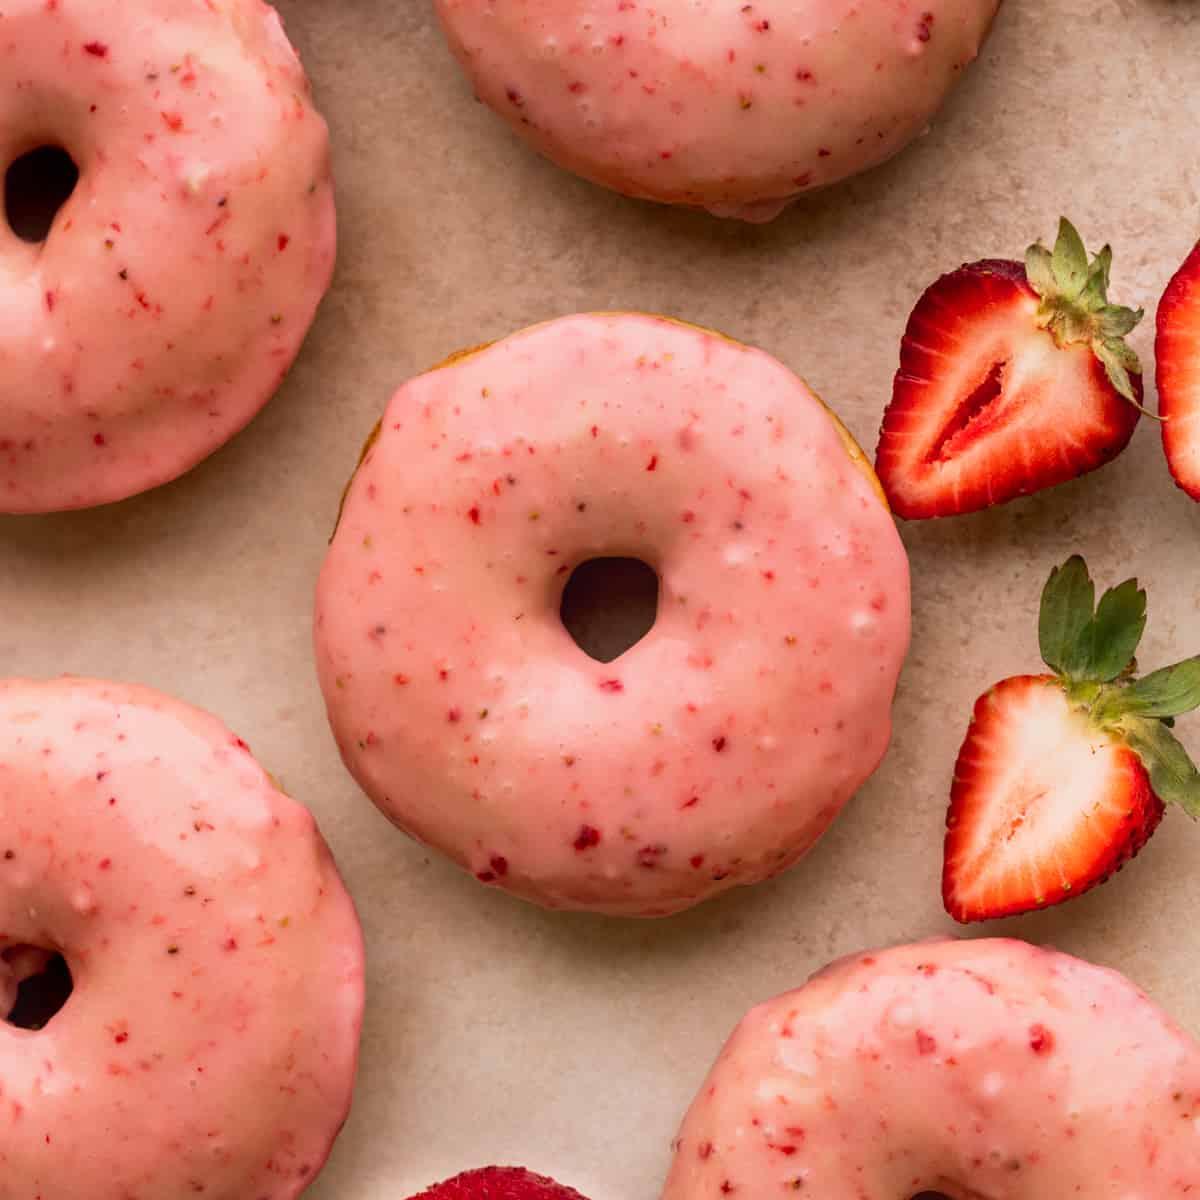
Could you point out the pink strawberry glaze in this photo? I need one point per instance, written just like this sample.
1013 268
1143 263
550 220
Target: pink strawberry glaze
988 1068
736 108
209 1046
716 750
179 280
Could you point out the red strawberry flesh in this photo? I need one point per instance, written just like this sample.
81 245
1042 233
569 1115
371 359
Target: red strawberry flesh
1177 350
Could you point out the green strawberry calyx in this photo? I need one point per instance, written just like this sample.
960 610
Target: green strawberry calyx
1074 308
1091 648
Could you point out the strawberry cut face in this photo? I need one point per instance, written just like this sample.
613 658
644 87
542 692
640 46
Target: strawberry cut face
986 405
1177 350
1044 806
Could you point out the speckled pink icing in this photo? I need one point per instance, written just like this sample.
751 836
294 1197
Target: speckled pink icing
736 108
714 751
209 1046
179 280
974 1069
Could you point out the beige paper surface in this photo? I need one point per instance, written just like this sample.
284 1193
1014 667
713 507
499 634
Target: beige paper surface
496 1032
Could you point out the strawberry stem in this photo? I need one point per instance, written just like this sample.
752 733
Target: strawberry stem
1074 307
1091 648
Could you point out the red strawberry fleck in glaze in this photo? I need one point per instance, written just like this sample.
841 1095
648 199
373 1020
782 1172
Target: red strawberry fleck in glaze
730 107
587 837
718 748
1007 1071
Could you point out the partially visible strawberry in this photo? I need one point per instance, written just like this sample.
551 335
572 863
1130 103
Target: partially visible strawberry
1062 778
498 1183
1013 378
1177 350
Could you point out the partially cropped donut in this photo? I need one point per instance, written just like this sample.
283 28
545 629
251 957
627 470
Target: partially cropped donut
736 108
718 748
209 1044
179 279
988 1068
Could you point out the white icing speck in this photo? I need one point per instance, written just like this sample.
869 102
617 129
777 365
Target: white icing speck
861 622
992 1084
195 177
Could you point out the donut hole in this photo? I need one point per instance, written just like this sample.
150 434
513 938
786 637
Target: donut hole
609 605
36 186
40 996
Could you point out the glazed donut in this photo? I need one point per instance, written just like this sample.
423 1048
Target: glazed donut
178 281
736 108
210 1042
987 1068
714 751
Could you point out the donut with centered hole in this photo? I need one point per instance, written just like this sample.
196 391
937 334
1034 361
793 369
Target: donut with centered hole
176 284
210 1040
988 1068
736 108
713 752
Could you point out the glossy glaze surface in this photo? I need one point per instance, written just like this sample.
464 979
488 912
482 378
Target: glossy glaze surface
210 1043
718 748
178 281
736 108
989 1068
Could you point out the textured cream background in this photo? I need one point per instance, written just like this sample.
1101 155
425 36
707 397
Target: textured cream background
496 1032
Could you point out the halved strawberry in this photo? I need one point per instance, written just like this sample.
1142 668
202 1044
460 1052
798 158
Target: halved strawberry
1012 378
1044 804
1062 778
1177 351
